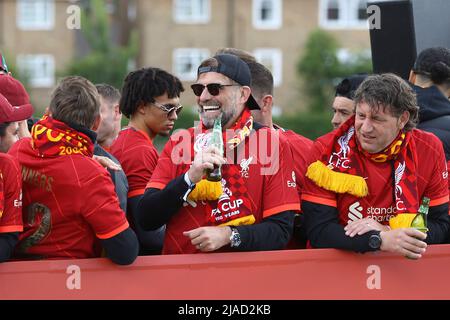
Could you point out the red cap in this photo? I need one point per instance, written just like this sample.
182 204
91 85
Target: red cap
14 100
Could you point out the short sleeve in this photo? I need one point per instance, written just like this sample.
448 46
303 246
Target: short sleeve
280 191
175 156
11 198
102 210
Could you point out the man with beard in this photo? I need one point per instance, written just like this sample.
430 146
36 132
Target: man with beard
253 209
262 90
151 100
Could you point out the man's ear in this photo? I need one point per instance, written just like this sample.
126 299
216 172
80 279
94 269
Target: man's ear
141 108
404 118
97 121
267 102
245 93
412 77
117 112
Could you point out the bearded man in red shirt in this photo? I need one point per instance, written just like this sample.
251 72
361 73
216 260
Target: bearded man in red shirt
373 167
254 208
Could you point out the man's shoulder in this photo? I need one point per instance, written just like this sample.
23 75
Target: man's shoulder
425 139
295 138
85 167
99 151
8 163
131 141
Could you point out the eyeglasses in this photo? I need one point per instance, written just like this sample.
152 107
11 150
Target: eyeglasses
168 108
213 88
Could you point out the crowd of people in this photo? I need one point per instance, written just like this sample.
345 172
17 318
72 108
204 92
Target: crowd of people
80 186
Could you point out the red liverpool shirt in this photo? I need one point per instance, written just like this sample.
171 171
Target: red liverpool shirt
448 167
68 201
137 156
10 195
269 184
300 148
379 205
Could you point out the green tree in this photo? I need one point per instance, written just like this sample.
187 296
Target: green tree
317 68
320 69
106 62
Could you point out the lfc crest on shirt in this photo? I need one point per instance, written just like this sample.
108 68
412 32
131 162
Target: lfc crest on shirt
339 159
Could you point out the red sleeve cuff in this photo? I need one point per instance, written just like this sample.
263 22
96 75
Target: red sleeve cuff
113 233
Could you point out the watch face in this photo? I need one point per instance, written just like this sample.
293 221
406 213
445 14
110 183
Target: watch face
235 238
375 241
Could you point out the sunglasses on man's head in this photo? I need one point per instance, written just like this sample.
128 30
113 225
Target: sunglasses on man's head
213 88
168 108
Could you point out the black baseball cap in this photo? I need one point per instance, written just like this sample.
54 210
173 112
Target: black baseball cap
347 87
236 69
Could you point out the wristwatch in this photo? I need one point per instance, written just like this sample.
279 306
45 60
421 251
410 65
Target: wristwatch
375 241
235 238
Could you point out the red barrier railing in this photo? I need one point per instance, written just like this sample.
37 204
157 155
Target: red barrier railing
290 274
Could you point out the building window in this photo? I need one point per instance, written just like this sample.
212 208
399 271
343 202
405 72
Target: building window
39 69
267 14
35 14
333 10
186 62
273 60
362 10
343 14
191 11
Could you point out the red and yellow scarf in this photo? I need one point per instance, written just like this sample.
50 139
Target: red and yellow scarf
232 191
341 169
53 138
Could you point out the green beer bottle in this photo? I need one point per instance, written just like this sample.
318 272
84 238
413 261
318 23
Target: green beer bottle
216 141
420 221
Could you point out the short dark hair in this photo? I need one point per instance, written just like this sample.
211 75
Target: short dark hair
434 63
108 92
76 101
391 92
144 85
244 55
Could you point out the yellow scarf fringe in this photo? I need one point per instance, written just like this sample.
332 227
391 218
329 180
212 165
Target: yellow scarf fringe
206 190
240 221
337 182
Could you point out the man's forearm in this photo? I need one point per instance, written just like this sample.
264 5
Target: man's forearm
273 233
324 231
157 207
438 224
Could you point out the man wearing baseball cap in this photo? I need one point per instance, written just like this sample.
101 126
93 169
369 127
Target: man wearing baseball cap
254 208
343 105
17 113
10 181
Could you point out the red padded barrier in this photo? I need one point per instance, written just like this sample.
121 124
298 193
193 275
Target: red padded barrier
289 274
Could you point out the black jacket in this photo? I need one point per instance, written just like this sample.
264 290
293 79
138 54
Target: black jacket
434 114
118 177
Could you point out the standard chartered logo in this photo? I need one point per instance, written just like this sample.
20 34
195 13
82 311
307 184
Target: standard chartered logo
355 211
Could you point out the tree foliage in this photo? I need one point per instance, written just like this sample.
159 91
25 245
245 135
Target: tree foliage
320 69
107 62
